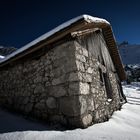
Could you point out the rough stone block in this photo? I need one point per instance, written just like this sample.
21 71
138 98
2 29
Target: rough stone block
51 103
73 88
57 72
85 52
97 115
81 58
59 80
70 106
84 88
39 89
89 70
87 120
40 105
73 77
90 104
57 91
25 100
80 66
87 77
70 65
93 90
77 88
83 104
38 79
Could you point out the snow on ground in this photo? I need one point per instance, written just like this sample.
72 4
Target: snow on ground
123 125
133 93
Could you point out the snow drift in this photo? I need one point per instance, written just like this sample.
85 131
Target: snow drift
123 125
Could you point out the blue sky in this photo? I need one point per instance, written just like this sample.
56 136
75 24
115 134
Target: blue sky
21 21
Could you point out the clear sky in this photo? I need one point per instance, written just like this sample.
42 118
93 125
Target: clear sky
22 21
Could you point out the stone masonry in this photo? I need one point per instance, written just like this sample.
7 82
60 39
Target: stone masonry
63 86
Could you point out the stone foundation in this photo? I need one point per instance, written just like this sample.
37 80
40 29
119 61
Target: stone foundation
63 85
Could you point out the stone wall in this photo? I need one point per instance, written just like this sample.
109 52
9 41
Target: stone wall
63 85
95 105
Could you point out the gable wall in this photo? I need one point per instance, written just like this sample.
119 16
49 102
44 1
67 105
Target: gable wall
98 107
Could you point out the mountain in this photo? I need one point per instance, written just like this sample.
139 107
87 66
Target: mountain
4 51
130 53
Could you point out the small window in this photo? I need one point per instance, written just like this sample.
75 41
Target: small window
108 85
101 75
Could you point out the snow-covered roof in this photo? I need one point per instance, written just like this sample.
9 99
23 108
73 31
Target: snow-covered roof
87 18
76 24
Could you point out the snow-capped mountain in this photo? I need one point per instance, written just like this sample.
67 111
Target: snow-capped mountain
130 53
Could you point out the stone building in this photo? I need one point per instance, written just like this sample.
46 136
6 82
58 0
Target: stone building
71 75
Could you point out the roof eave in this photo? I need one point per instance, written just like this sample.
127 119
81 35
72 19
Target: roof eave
81 24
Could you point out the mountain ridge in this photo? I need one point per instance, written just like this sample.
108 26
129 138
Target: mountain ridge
130 53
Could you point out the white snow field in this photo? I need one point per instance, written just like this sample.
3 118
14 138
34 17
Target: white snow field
123 125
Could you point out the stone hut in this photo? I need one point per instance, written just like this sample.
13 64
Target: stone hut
71 75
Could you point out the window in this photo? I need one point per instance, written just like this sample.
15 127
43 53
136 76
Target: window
108 86
101 75
104 78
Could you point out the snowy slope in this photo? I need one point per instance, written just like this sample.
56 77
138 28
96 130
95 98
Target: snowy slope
123 125
130 54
